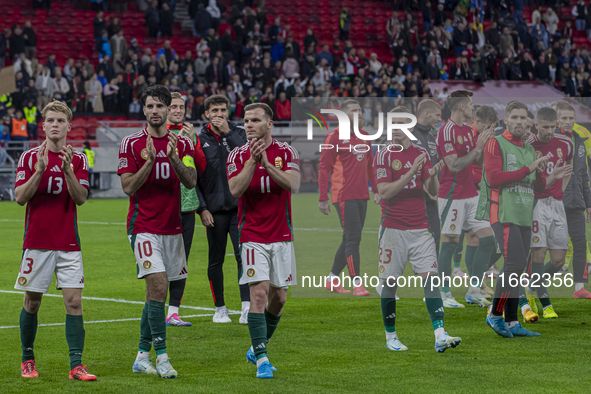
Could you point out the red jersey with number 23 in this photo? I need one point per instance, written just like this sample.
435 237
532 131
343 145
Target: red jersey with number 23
453 139
406 210
51 213
155 208
559 150
264 210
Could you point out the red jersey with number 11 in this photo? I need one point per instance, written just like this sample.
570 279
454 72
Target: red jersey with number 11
264 210
51 213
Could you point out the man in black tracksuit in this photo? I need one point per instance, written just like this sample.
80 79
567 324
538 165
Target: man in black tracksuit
577 199
428 114
217 207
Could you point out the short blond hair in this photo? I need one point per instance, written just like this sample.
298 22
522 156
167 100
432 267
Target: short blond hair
457 98
428 105
58 106
176 95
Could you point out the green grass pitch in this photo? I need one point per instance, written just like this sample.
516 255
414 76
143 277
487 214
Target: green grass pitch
324 342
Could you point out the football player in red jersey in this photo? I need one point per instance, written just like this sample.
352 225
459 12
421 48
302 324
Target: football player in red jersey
458 196
189 204
349 169
262 174
52 180
404 233
153 223
549 227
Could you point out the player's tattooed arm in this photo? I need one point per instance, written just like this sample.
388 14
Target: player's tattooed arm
132 182
187 175
457 164
24 193
389 190
76 190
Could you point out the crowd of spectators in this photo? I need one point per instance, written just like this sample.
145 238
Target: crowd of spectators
240 55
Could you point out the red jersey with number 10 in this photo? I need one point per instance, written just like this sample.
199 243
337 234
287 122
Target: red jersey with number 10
51 213
559 150
264 210
453 139
155 208
406 210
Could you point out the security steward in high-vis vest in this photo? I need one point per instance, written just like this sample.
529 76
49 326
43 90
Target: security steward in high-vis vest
19 128
31 115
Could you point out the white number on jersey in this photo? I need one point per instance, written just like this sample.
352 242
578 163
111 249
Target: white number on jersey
413 182
263 178
58 184
550 168
162 170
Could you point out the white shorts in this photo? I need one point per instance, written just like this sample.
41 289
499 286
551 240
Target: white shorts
159 253
274 262
399 246
459 215
549 229
38 267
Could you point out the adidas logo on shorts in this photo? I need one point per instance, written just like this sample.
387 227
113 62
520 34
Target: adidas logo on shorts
408 165
161 154
183 271
55 168
434 265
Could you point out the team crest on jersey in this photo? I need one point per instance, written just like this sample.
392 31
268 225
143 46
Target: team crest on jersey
536 239
147 264
538 154
278 162
382 269
231 168
145 154
448 147
123 162
250 272
381 173
22 281
460 140
452 227
559 152
20 175
396 164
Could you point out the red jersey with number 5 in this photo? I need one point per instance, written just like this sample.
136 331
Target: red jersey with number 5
155 208
559 150
453 139
264 210
406 210
50 221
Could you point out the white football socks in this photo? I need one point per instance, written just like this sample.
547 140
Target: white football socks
439 332
161 358
262 360
579 286
172 310
390 335
141 355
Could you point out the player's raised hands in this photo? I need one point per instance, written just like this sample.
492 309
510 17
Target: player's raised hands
257 147
562 172
483 137
42 157
188 131
437 168
539 164
417 164
66 154
221 124
150 149
171 147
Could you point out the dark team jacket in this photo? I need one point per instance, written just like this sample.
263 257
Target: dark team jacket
577 195
212 184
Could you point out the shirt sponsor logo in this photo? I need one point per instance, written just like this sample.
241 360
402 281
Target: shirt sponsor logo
396 164
231 168
144 154
123 162
22 281
20 176
536 239
293 165
448 147
147 264
559 152
278 162
460 140
381 173
250 272
84 182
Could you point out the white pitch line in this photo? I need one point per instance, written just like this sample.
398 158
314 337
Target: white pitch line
118 300
331 230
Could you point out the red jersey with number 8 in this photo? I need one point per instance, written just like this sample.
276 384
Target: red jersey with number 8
264 210
406 210
559 150
155 208
51 213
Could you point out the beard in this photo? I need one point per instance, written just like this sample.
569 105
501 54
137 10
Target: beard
156 124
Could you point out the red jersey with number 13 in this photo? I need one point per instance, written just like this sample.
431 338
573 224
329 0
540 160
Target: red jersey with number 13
51 213
264 210
155 208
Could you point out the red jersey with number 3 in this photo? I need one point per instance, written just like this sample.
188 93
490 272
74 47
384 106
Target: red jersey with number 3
51 213
453 139
559 150
155 208
406 210
264 210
